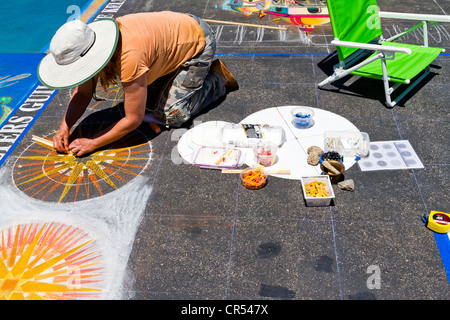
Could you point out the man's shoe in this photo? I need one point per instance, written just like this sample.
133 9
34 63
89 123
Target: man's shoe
231 82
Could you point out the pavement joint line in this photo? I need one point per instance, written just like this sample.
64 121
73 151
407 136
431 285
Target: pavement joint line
336 255
233 232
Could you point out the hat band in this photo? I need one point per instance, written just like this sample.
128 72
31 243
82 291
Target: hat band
88 48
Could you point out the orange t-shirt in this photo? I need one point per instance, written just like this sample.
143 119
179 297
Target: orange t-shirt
157 43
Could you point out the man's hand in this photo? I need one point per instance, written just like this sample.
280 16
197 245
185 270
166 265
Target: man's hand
61 140
77 105
82 146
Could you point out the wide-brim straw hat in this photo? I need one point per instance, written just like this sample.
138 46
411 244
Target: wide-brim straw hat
78 51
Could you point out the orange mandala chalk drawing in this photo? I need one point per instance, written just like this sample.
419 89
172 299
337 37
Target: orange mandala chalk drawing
42 173
52 261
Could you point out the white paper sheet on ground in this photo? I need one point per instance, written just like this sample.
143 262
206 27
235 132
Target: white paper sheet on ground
293 153
390 155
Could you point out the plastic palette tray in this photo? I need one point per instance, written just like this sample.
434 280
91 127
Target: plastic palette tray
211 157
390 155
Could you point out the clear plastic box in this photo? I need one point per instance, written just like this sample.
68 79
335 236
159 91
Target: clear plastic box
318 201
218 158
347 143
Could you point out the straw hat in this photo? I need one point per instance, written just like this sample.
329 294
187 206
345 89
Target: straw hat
77 52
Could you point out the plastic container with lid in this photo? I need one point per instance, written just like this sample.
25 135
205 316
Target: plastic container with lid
347 143
302 117
218 158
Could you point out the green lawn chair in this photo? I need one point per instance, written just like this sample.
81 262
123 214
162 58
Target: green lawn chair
358 37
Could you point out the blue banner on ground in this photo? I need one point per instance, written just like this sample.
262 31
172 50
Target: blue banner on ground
17 80
22 98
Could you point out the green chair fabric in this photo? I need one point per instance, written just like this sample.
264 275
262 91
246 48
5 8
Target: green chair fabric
404 67
355 21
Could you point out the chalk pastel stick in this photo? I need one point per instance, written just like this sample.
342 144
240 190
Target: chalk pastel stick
44 141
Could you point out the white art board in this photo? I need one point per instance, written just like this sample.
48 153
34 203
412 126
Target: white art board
293 153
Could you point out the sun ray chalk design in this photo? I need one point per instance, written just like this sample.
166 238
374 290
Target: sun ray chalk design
102 196
106 226
42 173
49 261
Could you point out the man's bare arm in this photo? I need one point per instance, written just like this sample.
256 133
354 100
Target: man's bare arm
134 104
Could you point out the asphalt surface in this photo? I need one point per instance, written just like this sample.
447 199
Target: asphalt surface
202 235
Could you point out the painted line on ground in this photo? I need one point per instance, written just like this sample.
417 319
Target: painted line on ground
443 244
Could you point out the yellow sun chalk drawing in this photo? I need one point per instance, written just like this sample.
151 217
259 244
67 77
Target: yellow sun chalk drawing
99 172
59 168
72 178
